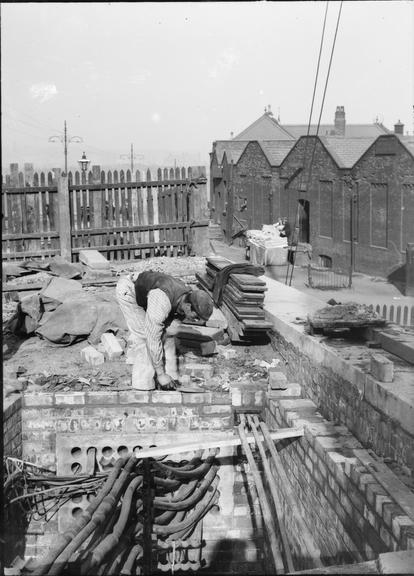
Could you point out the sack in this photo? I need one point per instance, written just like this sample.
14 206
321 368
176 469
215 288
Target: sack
142 370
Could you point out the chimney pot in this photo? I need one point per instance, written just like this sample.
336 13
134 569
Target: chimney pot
340 121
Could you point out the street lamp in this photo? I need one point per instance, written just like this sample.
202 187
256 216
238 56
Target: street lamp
66 140
84 163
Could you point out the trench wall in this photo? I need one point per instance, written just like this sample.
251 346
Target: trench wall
352 516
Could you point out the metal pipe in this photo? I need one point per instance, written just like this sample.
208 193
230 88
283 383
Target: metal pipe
272 484
264 503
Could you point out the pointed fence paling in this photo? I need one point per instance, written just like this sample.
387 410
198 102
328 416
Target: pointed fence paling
121 216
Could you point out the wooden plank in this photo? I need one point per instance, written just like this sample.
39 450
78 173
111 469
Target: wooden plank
263 500
33 189
219 441
150 218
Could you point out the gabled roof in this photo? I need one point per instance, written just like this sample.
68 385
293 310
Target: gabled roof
264 128
232 148
346 151
276 150
407 142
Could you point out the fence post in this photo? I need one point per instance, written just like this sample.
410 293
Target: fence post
14 175
28 174
199 236
64 216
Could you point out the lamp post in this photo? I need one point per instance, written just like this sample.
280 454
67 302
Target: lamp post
84 163
131 157
65 141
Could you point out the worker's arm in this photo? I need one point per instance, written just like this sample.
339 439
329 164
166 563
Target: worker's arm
158 310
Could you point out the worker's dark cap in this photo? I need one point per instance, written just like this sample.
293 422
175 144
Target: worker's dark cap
201 303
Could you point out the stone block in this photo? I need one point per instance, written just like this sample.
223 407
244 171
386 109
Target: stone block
111 346
92 356
94 259
40 399
290 390
277 380
382 368
69 398
196 397
396 562
133 397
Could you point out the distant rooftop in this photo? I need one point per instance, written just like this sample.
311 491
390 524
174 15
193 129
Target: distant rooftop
266 127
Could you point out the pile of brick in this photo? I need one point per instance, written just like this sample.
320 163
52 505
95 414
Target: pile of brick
109 348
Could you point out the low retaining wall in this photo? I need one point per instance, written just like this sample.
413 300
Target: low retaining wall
379 414
352 516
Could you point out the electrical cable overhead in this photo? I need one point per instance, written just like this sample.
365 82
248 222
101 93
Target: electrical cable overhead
316 135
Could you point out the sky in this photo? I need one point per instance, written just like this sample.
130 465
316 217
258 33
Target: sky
170 78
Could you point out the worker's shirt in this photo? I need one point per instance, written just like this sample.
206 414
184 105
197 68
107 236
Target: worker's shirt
158 311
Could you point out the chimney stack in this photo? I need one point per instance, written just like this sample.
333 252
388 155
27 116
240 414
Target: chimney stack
340 121
399 128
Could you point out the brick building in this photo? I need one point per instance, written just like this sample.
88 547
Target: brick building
350 189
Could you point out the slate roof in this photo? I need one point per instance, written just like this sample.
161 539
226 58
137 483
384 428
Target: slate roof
276 150
351 130
264 128
346 151
233 150
408 142
268 128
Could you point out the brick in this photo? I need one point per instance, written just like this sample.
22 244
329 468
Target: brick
290 391
92 356
196 398
70 398
398 524
102 397
133 397
382 368
40 399
161 397
94 259
390 511
277 380
372 489
217 409
112 347
380 500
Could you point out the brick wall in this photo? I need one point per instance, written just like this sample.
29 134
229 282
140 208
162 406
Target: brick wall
351 515
346 395
58 428
12 429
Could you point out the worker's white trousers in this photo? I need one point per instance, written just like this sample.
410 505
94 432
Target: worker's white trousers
135 319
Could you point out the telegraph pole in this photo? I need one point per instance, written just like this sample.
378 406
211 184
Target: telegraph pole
131 156
65 141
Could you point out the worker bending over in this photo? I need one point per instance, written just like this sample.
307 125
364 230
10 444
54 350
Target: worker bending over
150 304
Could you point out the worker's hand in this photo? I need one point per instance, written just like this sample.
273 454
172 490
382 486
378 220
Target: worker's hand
165 382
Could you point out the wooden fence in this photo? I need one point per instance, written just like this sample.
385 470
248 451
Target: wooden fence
54 214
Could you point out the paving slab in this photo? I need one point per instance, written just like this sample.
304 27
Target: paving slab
94 259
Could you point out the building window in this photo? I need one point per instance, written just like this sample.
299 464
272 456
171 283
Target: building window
325 208
325 261
351 210
379 215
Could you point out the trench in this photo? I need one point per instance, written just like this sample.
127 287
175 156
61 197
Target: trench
253 481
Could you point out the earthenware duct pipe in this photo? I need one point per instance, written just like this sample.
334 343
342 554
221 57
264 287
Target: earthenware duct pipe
42 565
184 491
273 490
111 540
99 516
312 551
264 502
